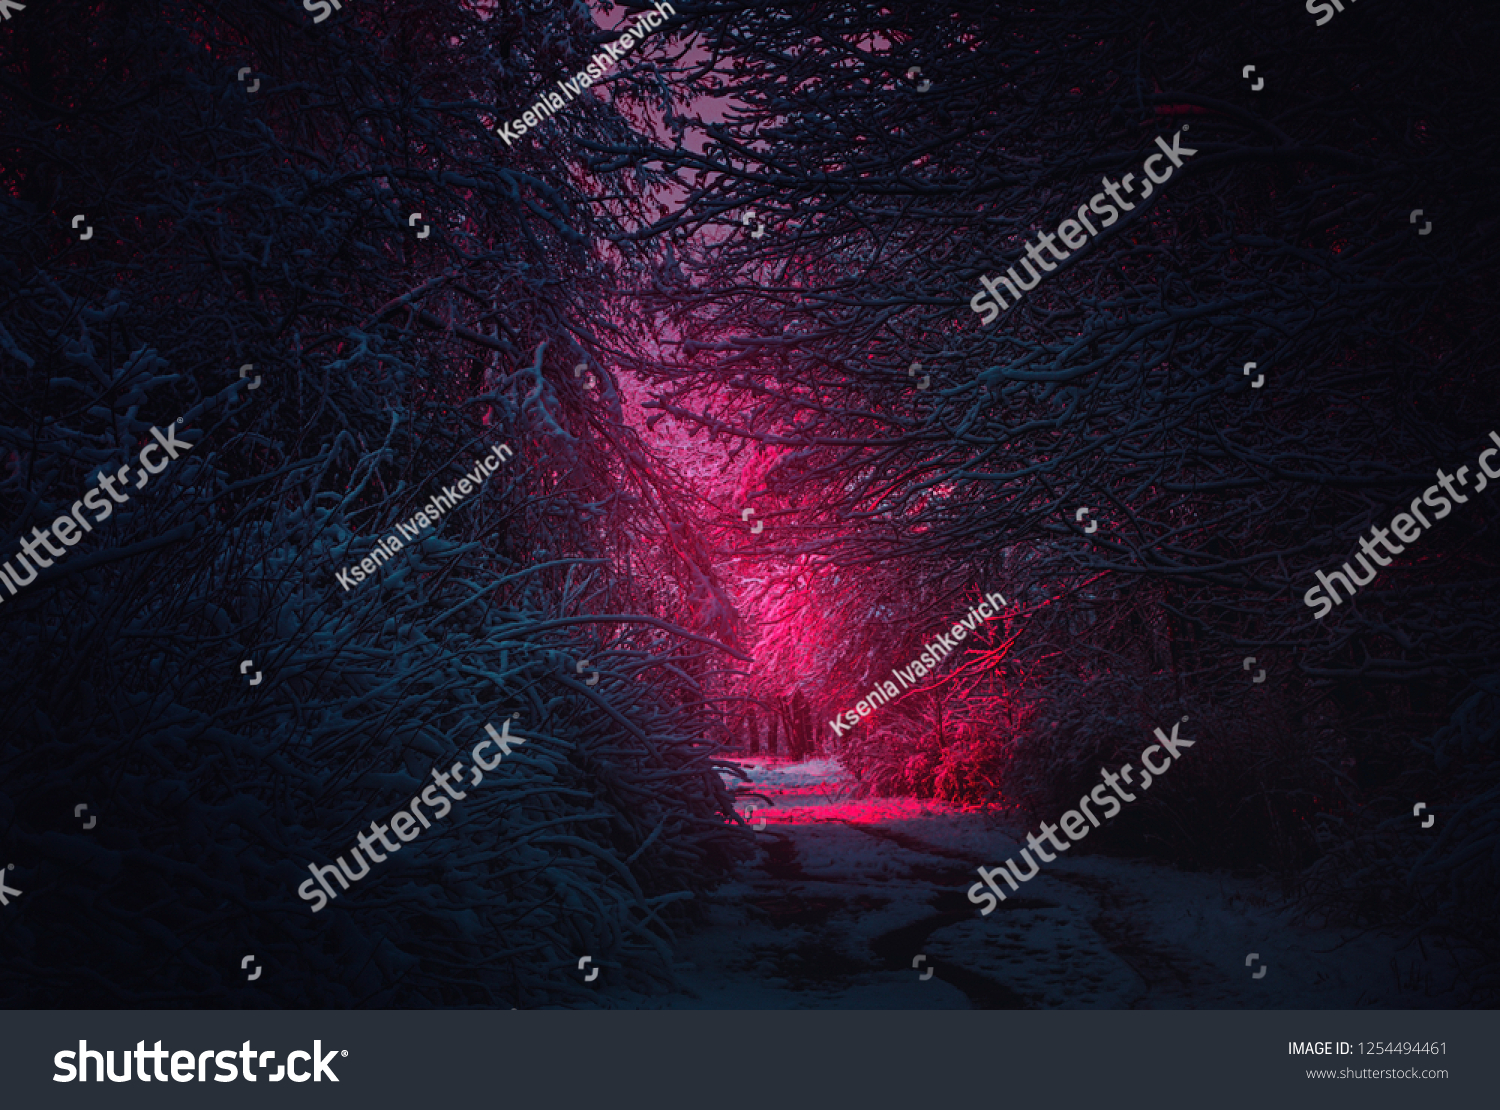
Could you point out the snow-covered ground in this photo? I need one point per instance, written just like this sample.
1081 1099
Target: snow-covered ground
846 895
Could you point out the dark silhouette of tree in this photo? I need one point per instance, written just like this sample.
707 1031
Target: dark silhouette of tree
1117 384
275 228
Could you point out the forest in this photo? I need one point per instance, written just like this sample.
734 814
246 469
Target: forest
762 450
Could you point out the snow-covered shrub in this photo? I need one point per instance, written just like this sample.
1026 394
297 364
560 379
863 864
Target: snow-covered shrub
1441 879
1245 795
273 230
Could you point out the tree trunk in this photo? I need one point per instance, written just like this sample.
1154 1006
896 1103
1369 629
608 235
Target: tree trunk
804 726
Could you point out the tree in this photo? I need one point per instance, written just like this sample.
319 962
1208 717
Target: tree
1100 452
278 229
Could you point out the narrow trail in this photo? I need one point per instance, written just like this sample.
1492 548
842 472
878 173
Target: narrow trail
852 902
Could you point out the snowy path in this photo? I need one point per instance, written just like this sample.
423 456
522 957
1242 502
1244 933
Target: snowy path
846 894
